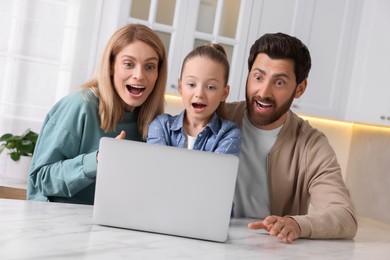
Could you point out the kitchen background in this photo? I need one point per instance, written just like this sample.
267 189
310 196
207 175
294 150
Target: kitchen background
48 48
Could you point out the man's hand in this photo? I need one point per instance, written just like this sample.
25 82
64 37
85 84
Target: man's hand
122 135
286 229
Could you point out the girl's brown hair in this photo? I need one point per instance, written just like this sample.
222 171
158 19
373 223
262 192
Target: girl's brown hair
111 107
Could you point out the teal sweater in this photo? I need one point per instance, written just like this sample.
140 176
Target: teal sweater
63 168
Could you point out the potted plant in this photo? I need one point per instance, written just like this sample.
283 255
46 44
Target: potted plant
20 149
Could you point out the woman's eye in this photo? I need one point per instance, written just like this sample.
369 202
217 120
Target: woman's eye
128 64
151 67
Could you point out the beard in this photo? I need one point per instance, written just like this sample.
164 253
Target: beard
260 120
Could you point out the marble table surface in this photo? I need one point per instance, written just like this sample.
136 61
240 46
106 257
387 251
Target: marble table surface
42 230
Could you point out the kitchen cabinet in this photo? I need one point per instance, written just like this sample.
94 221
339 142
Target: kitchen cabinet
270 16
184 25
347 40
326 27
369 99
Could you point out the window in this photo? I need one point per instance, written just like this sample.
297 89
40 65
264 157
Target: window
45 53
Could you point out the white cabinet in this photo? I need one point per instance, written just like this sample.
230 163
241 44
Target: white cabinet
326 27
184 24
348 41
369 99
269 16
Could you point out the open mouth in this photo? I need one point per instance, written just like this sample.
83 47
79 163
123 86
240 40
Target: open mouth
135 90
198 105
263 105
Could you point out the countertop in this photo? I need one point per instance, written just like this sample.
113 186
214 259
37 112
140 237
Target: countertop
43 230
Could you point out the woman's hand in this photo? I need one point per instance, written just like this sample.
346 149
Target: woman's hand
122 135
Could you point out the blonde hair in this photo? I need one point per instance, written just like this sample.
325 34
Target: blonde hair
111 107
216 53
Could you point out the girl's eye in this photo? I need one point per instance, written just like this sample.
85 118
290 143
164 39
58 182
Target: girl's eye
210 87
191 85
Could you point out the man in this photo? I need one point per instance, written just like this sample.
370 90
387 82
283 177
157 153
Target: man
285 164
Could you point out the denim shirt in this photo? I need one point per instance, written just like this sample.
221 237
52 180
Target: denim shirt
219 135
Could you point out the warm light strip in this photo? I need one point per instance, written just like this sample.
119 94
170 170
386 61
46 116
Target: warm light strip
345 123
327 121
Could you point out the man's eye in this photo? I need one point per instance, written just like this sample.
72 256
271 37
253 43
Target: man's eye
257 77
279 83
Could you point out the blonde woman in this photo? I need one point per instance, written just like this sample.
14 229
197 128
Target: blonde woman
124 96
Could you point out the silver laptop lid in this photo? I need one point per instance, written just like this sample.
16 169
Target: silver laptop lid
164 189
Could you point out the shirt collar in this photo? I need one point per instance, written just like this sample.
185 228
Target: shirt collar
214 124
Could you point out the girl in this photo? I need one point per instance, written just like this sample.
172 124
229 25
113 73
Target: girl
204 89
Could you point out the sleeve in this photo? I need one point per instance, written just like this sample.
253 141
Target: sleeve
333 215
57 168
231 140
158 131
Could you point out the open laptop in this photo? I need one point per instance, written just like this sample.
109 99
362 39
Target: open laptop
164 189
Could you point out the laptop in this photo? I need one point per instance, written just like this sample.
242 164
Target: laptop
163 189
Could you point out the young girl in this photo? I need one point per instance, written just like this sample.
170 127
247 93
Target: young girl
204 89
125 95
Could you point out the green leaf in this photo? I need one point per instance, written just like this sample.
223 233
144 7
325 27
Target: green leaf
32 136
25 147
19 145
5 137
15 156
10 145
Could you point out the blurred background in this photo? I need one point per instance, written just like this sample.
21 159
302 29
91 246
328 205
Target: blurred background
49 48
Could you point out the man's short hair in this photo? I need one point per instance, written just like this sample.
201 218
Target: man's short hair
283 46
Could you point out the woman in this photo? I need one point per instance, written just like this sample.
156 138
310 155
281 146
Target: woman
124 96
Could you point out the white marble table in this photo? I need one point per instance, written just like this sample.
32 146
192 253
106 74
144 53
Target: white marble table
41 230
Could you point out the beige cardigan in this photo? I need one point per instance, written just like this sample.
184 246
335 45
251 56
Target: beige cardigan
303 168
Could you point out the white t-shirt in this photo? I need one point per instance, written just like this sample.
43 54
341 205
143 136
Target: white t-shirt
190 141
251 198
